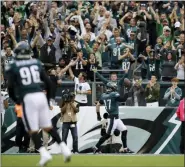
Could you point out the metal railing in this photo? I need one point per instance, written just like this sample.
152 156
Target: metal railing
97 86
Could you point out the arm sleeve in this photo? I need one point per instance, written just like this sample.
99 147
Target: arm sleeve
104 80
167 94
122 79
178 94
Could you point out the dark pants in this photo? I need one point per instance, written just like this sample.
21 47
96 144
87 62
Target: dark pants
65 130
108 135
82 104
182 138
20 133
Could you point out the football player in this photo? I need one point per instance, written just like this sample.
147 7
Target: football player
111 100
25 77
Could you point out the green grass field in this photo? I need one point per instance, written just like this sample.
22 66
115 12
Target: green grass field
96 161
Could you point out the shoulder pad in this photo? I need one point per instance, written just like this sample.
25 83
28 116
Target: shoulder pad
116 94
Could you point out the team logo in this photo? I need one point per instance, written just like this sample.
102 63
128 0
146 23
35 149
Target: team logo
148 132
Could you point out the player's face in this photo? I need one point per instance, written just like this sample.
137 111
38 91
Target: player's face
114 77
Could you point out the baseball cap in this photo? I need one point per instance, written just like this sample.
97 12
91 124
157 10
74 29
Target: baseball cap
177 24
49 38
79 50
165 20
4 95
166 28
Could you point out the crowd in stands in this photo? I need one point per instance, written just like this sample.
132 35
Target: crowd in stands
145 38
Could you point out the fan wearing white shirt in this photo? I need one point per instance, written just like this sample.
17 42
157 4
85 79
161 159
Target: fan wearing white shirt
82 88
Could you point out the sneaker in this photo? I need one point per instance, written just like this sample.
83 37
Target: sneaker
66 152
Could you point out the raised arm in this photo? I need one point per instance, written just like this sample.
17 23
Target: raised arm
103 79
71 73
67 67
122 79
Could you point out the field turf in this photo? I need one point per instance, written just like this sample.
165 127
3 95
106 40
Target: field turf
97 161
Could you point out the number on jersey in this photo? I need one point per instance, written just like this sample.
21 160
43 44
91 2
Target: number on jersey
107 104
30 75
116 52
125 65
152 67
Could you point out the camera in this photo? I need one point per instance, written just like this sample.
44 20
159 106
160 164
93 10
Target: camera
67 95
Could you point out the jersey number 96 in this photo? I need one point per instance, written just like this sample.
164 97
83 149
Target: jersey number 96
30 75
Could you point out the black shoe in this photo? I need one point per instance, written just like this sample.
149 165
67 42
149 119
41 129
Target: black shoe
128 151
95 149
75 152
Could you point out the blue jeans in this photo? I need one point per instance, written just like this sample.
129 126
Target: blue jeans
65 130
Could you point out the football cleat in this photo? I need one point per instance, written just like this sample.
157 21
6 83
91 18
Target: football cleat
44 160
66 152
95 150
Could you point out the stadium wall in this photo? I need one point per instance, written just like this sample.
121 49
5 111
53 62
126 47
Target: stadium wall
150 130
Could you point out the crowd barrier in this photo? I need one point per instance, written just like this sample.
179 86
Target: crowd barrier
150 130
94 96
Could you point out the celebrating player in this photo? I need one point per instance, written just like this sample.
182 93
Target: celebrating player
111 100
25 76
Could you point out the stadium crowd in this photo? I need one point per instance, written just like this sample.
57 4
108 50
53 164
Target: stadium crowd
141 39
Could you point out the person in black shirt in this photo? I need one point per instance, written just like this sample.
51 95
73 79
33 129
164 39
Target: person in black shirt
168 70
81 63
92 63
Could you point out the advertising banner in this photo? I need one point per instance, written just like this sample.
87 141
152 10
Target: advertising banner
150 130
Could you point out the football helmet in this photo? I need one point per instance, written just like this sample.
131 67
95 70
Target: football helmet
23 51
111 87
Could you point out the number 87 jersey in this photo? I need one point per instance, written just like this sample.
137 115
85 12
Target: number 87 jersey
111 101
25 76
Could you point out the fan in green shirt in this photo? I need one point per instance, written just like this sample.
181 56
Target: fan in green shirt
166 36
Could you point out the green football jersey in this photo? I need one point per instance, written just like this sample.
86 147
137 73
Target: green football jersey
111 101
24 75
116 51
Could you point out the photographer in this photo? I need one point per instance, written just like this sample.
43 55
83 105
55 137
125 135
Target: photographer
69 108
